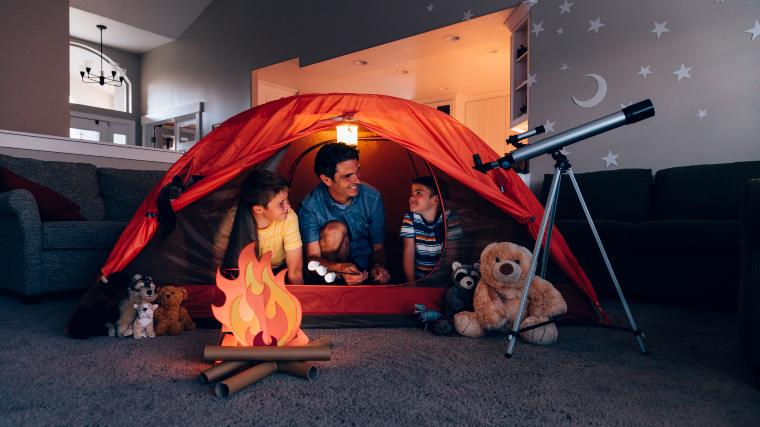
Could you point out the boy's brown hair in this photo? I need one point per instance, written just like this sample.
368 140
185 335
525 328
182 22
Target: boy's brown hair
429 182
260 186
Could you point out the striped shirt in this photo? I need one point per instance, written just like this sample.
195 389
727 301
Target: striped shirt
428 239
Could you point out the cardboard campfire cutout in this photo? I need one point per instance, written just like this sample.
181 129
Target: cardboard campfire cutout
258 309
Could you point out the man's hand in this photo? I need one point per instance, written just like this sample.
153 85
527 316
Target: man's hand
350 273
380 274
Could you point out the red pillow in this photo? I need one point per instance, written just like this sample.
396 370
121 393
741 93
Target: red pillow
52 206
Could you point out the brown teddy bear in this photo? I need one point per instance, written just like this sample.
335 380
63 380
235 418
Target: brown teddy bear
170 317
503 268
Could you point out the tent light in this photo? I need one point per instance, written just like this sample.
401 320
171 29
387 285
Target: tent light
348 133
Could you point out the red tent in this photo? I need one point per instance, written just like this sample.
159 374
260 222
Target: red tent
255 136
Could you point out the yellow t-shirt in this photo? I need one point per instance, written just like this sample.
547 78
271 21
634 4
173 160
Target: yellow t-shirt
278 237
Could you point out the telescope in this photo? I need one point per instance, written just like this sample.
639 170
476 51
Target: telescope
628 115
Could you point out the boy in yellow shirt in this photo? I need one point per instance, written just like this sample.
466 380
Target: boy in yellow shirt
266 194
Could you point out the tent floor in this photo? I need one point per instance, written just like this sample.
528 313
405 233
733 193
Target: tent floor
377 305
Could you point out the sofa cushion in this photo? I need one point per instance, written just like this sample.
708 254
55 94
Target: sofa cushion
615 235
686 237
81 234
123 190
75 181
52 206
702 192
621 195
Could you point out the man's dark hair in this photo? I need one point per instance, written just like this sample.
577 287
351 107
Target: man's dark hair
260 186
330 155
429 182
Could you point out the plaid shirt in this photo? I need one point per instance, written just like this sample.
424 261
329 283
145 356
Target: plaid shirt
364 216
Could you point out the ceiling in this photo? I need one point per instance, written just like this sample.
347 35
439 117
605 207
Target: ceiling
421 67
135 26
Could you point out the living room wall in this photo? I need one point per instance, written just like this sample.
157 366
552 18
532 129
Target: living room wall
212 60
34 78
710 38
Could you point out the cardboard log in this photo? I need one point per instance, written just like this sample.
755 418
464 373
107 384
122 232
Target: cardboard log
244 379
221 370
266 354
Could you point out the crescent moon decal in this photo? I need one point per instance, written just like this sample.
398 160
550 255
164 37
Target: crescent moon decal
601 92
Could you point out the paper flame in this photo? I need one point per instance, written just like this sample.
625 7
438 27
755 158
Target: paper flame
258 309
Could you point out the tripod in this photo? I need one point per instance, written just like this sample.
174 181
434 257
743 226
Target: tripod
561 167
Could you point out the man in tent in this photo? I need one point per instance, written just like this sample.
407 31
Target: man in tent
342 220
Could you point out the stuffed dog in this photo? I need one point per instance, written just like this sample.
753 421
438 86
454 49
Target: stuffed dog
141 290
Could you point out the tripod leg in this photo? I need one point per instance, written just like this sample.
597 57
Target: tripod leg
545 251
548 209
639 334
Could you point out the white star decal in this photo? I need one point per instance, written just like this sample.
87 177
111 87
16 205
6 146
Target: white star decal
560 30
660 28
595 25
467 15
564 67
645 71
683 72
430 8
532 80
537 28
702 113
549 125
565 7
610 159
755 31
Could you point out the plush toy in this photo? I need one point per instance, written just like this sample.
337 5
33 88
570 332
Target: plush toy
142 327
98 309
171 318
503 269
464 277
141 289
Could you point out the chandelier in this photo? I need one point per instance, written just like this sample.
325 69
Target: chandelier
101 79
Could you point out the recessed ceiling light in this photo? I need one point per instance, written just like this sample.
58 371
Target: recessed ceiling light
452 38
360 62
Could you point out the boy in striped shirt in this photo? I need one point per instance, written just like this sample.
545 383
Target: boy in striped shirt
422 229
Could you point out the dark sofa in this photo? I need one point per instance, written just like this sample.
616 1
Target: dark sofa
38 257
672 238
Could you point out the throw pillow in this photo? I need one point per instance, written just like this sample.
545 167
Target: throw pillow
52 205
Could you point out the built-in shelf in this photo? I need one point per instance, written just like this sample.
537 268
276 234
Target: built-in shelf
518 24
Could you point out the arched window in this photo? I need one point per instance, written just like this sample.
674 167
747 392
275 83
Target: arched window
93 94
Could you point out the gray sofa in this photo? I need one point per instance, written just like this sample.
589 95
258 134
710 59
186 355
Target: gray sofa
39 257
672 238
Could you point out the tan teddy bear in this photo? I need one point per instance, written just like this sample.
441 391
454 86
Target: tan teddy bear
170 317
503 268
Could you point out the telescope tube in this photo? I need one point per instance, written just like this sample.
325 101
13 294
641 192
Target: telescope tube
628 115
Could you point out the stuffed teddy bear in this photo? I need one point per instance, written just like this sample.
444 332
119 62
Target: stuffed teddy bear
141 289
142 327
504 267
171 318
464 277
